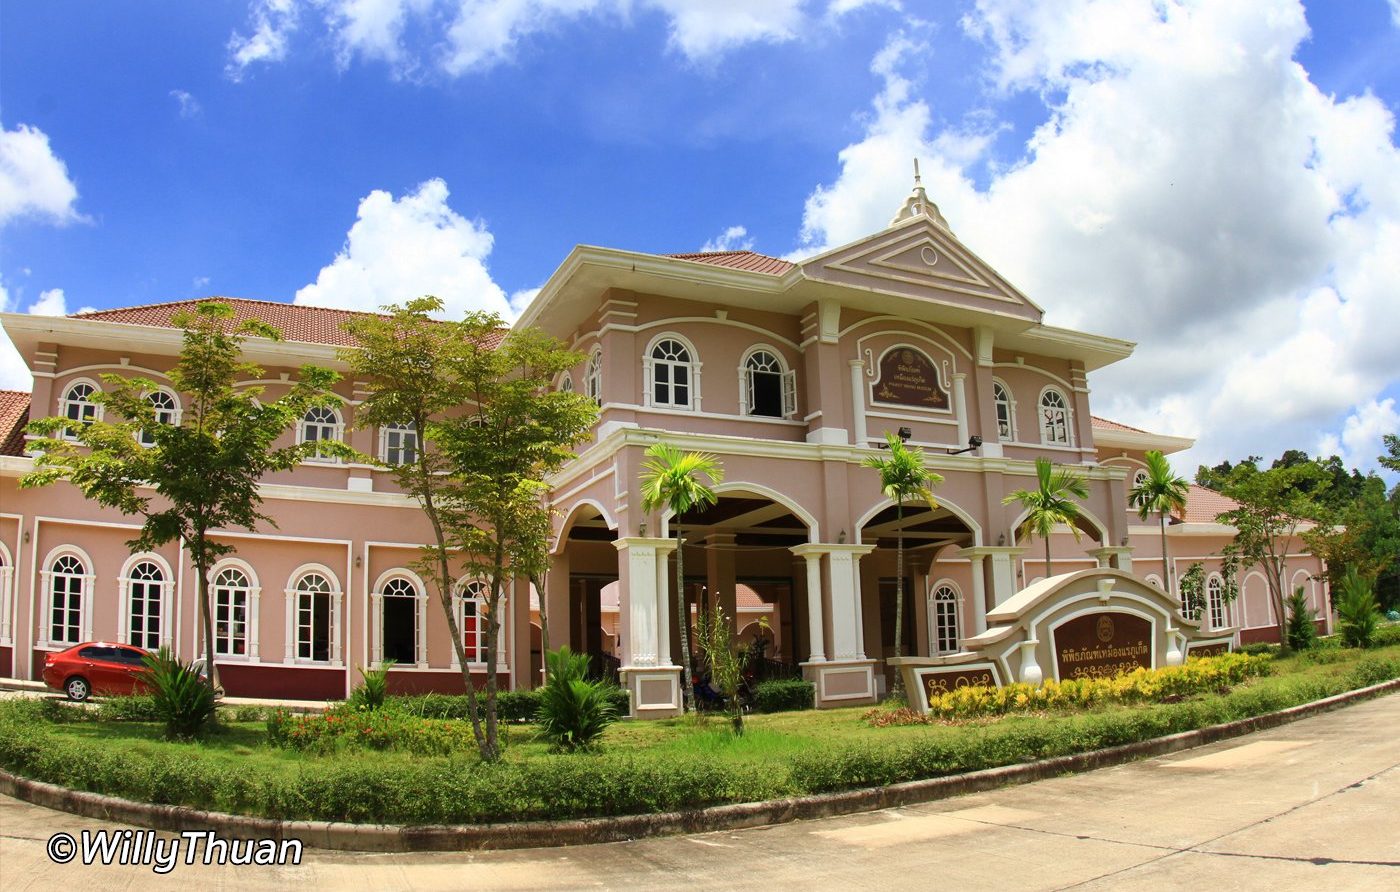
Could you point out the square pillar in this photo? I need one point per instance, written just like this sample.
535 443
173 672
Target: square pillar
652 682
843 676
1003 568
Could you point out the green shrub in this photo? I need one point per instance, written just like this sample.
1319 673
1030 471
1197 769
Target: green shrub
1300 629
136 708
1372 670
371 693
1259 648
1386 636
1357 612
573 712
511 706
372 729
783 695
181 697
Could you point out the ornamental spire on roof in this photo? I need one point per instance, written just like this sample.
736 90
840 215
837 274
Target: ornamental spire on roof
918 203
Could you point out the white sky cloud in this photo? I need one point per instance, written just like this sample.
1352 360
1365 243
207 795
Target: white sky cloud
273 23
14 374
402 248
34 182
1192 190
189 106
734 238
1360 441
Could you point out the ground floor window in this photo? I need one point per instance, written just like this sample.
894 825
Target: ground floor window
232 592
399 622
1215 602
313 599
944 627
145 595
473 621
67 576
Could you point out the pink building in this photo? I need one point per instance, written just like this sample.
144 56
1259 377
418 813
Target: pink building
790 373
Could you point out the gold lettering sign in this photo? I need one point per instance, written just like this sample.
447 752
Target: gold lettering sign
1208 650
909 378
1102 645
938 683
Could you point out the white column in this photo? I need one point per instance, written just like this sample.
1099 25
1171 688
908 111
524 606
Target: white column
960 406
979 595
847 632
376 629
7 587
337 598
46 609
421 627
457 615
290 639
664 600
88 602
644 595
254 625
1003 568
508 586
816 629
858 430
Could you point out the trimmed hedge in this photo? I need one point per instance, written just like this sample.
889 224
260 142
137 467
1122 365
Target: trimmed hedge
784 694
511 706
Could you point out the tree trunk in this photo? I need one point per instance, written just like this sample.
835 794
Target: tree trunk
206 619
1275 577
1047 557
683 617
1166 573
897 690
538 581
444 583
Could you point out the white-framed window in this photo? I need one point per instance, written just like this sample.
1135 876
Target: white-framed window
7 594
400 605
314 600
1006 411
144 585
593 376
1153 579
766 386
1215 601
78 406
943 619
234 600
566 383
398 444
166 407
1055 419
318 424
472 597
672 374
68 586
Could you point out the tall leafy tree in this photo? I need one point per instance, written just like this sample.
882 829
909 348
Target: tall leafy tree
1274 505
201 474
672 479
493 429
1051 503
903 478
1161 493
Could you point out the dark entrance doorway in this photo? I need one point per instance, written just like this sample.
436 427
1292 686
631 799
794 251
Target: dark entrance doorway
586 624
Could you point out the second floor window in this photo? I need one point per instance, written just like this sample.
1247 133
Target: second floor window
593 377
767 388
400 444
78 406
1054 419
166 409
320 423
672 373
1006 420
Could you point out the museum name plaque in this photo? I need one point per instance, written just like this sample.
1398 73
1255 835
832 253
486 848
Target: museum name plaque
909 378
938 682
1208 650
1102 645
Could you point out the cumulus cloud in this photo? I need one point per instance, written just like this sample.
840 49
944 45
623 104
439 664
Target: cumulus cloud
402 248
1190 189
273 22
735 238
14 374
189 106
1360 440
34 182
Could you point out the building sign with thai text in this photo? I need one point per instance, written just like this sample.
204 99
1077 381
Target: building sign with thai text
909 378
1102 645
942 681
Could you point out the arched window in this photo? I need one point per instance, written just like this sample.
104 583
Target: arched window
1006 411
233 594
398 444
593 376
315 624
145 604
78 406
1153 579
473 595
1215 601
400 626
766 386
7 588
943 627
1055 419
566 384
318 424
671 371
68 585
167 411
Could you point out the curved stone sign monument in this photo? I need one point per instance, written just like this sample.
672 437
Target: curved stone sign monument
1092 624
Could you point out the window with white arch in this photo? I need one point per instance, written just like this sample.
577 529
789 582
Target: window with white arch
593 376
766 386
166 407
472 597
68 587
400 636
233 602
398 444
1055 419
7 589
672 375
78 406
566 383
1215 601
943 620
1153 579
143 587
316 618
1006 411
320 423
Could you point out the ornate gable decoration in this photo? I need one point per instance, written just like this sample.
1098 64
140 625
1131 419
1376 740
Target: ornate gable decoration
919 258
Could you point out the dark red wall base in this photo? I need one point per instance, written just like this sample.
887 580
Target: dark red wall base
7 661
282 682
1269 634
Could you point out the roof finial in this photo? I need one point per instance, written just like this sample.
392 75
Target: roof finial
919 204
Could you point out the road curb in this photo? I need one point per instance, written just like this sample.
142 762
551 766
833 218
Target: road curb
529 834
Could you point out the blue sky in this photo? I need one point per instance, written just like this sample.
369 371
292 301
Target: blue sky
1217 181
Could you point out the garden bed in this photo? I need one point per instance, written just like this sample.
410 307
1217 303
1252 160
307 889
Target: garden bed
642 767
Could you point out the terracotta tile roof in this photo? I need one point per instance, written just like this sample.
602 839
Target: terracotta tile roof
302 324
14 415
745 260
1202 505
1104 424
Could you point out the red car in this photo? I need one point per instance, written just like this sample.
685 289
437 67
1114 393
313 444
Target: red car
95 668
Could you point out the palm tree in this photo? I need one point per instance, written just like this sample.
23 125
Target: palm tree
1049 504
672 480
1161 493
902 476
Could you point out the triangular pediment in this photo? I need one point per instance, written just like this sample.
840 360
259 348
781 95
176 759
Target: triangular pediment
918 258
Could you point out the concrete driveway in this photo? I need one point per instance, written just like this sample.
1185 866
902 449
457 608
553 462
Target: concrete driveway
1314 804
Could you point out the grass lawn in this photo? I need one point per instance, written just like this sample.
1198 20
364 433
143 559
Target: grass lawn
640 767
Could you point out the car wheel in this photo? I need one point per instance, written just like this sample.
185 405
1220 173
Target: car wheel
77 688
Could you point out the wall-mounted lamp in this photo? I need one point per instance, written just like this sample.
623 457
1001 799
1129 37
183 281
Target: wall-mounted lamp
841 538
973 442
1001 540
26 537
642 529
904 435
1123 542
359 562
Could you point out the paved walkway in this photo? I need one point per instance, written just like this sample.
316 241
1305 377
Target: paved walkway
1311 805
